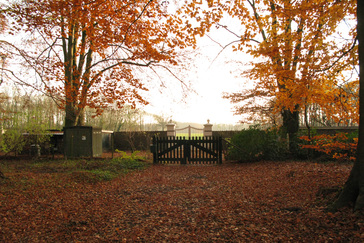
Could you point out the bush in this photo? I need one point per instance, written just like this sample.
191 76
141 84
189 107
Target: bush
255 144
14 140
108 169
341 146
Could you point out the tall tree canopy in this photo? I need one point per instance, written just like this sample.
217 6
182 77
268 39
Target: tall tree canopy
301 58
83 50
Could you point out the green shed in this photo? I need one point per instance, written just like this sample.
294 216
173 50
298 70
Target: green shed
82 141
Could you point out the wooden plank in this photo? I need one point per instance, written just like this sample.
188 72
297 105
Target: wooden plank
202 148
220 149
167 148
196 150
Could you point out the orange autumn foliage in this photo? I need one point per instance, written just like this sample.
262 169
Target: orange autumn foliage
302 54
84 51
338 146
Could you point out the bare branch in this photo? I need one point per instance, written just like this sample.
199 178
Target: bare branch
218 54
174 75
340 57
214 41
119 63
19 81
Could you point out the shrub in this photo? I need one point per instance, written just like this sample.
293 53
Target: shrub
341 146
15 140
276 146
12 141
255 144
127 162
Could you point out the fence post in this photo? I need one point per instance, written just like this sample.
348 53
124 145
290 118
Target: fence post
171 129
154 149
186 151
220 150
207 129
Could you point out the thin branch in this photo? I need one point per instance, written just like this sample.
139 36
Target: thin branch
117 64
340 57
239 36
50 46
214 41
106 59
230 31
218 54
174 75
139 16
127 31
224 47
21 82
159 77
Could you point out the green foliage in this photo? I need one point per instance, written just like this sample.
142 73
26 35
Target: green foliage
124 156
110 169
352 136
126 162
255 144
15 139
90 177
103 175
12 141
17 110
276 145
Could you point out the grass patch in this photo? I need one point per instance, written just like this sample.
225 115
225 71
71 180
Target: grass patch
80 170
90 176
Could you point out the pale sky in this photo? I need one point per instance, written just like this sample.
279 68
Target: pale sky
207 103
210 79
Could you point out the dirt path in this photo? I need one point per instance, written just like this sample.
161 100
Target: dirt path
271 202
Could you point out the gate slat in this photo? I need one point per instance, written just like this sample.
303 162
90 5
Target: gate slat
180 150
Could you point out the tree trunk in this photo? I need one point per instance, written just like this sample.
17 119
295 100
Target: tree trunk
291 126
353 191
74 116
81 117
70 118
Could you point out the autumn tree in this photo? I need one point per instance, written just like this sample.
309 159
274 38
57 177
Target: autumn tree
83 51
2 55
297 59
353 191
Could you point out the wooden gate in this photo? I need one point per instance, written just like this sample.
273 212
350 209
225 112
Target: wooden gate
181 150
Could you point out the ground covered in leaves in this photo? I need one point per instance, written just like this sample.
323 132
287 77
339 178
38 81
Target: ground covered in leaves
262 202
